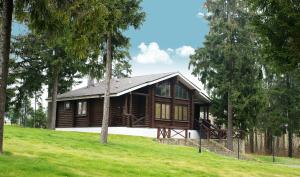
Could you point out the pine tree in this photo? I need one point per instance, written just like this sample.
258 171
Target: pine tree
227 64
121 16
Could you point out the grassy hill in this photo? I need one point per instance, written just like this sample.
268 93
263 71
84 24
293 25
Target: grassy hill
35 152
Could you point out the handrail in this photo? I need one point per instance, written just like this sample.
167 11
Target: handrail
210 129
133 119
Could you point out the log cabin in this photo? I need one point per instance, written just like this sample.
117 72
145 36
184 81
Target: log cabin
166 100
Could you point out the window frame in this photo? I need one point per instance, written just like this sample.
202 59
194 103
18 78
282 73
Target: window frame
67 103
168 86
180 88
179 112
82 112
166 111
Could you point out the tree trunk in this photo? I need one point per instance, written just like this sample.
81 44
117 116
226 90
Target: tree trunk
256 142
289 118
50 87
268 142
290 141
251 140
230 124
106 104
7 10
54 96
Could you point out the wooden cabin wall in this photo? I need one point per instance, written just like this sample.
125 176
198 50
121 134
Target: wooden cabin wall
116 110
172 101
82 120
96 112
65 117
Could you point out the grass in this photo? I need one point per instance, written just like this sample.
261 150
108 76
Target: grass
35 152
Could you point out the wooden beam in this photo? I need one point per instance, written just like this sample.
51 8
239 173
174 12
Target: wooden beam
172 107
207 113
130 104
125 110
158 132
146 109
152 105
192 108
130 110
141 94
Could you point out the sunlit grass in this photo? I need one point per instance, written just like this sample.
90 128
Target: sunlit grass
34 152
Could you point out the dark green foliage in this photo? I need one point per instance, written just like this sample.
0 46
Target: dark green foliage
32 66
278 23
227 63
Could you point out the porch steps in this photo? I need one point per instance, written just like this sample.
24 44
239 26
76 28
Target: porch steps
209 145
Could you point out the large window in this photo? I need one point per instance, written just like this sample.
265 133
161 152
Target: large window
162 111
67 105
81 108
181 92
163 89
181 112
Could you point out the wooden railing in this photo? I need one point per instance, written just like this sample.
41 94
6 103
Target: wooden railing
210 131
132 120
171 132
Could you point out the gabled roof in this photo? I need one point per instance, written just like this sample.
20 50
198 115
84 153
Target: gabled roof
122 86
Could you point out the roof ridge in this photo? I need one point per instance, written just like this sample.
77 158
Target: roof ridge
168 73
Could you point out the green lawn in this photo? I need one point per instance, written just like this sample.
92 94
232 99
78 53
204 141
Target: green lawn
34 152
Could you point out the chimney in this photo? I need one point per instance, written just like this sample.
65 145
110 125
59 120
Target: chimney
90 82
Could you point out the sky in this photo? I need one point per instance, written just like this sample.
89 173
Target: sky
172 30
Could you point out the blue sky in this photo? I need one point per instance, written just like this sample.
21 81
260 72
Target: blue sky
172 30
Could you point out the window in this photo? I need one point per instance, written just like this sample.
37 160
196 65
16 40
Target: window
181 112
81 108
181 92
67 105
162 111
163 89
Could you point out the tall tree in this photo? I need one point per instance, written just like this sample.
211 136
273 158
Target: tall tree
122 15
5 33
226 63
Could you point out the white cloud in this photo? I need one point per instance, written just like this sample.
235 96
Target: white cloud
185 51
200 14
152 54
204 15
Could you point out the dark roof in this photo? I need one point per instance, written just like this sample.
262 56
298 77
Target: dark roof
117 86
124 85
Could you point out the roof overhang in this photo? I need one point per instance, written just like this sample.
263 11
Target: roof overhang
182 79
75 98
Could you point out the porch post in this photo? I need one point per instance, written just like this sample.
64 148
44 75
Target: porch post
172 106
125 110
130 110
146 109
130 104
192 108
207 112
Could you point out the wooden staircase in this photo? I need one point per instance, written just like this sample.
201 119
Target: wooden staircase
206 130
